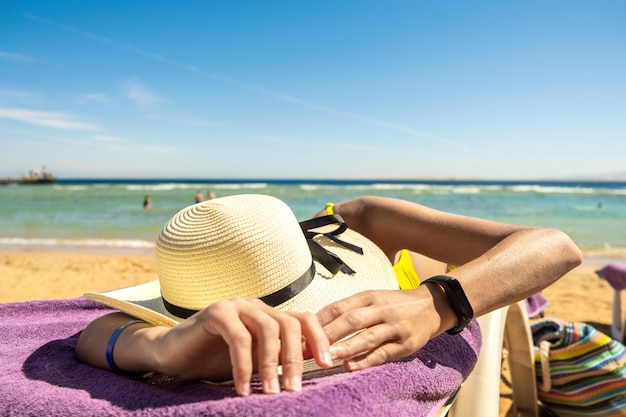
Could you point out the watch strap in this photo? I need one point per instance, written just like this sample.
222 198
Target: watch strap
457 298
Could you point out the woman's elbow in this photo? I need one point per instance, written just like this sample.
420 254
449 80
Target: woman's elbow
569 253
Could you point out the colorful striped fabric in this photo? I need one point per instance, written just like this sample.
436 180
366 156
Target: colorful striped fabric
583 371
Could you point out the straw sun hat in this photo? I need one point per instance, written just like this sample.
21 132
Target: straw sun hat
252 246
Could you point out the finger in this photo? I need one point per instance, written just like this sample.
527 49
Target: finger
363 341
384 353
378 345
223 319
266 331
352 322
334 310
291 351
375 357
315 340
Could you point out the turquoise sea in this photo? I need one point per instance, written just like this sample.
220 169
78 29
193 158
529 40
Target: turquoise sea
108 215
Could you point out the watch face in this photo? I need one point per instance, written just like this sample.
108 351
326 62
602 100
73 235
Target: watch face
460 298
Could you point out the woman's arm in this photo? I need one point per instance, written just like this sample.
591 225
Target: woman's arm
230 339
499 264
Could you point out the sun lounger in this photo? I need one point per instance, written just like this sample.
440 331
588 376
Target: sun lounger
41 376
506 328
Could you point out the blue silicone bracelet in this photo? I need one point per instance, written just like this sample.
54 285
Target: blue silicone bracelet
113 339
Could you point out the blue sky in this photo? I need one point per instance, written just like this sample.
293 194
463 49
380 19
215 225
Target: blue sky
324 89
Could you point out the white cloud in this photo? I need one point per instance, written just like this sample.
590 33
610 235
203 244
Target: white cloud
140 94
8 56
42 118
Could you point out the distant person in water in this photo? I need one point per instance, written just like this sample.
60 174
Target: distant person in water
210 195
147 202
199 197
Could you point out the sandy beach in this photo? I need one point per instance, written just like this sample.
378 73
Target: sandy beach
49 275
578 296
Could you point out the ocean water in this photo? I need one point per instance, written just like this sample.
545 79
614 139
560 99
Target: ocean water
109 214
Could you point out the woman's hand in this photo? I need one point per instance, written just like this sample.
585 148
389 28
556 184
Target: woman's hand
391 324
230 339
236 337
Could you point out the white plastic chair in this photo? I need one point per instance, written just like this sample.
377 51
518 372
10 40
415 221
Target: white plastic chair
506 327
617 328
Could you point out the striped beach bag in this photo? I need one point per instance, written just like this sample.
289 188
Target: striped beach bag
580 371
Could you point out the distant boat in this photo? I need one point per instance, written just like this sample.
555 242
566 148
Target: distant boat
34 176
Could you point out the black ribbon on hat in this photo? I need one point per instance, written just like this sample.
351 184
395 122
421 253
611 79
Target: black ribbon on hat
274 299
328 259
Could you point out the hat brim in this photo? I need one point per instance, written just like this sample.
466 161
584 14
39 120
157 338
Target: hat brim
373 270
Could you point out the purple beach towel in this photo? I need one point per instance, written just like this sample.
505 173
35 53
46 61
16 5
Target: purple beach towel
535 304
40 376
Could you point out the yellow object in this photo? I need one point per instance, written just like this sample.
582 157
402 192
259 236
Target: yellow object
329 209
407 277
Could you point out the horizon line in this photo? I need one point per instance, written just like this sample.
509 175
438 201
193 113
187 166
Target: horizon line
617 179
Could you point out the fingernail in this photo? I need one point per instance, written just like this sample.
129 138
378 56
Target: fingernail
351 365
295 383
245 389
274 386
328 359
333 352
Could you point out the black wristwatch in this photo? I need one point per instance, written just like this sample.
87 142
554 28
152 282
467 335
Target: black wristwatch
458 300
